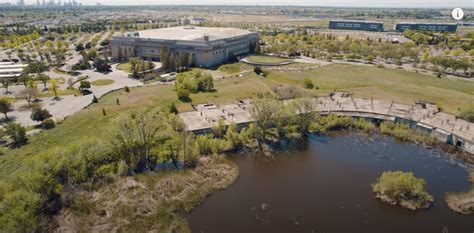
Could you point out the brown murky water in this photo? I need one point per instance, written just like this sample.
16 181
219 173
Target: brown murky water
326 187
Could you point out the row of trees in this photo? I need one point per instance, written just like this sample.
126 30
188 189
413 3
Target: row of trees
175 62
453 53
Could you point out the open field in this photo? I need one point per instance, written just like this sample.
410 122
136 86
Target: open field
266 59
385 84
379 83
102 82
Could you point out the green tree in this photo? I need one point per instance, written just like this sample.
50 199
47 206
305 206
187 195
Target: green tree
39 114
135 137
135 64
53 86
24 79
305 114
265 111
44 79
35 68
5 106
16 132
6 84
183 93
83 85
204 82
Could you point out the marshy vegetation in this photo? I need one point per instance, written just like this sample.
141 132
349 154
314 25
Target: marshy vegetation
402 188
145 202
405 133
137 143
462 202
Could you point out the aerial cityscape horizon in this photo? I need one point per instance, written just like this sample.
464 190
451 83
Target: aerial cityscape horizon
320 3
247 116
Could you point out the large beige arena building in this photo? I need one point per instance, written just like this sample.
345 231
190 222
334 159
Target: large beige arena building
208 46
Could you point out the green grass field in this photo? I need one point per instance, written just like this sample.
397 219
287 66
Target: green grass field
385 84
267 59
380 83
234 68
124 67
102 82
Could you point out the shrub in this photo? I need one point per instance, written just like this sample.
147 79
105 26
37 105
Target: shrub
183 94
95 100
48 123
467 114
258 70
84 85
204 82
172 108
39 114
16 132
127 89
5 106
398 63
308 83
404 133
402 188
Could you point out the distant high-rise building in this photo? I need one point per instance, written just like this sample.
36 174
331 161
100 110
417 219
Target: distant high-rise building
44 2
38 2
21 2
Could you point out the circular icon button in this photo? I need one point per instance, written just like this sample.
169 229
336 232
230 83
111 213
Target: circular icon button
457 13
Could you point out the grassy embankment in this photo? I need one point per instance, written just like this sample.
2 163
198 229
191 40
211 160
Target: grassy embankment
124 67
267 59
146 202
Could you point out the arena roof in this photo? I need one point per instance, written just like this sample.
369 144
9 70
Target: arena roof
190 33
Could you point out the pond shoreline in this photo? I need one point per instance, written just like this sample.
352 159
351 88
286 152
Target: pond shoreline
288 159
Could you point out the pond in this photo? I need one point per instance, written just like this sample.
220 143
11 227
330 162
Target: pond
325 186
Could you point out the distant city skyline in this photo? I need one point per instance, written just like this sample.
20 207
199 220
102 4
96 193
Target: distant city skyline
333 3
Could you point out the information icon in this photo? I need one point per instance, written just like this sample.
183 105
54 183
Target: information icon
457 13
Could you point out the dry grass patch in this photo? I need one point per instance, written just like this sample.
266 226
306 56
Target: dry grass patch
146 202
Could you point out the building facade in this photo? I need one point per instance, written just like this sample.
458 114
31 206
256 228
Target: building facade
356 25
436 27
206 46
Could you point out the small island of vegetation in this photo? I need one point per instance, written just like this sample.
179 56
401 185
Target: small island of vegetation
402 188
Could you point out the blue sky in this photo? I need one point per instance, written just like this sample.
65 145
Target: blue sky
336 3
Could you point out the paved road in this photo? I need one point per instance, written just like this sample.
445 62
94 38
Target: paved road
68 105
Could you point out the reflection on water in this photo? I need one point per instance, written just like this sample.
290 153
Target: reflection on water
325 186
